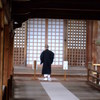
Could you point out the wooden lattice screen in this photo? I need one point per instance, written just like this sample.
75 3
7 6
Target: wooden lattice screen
35 39
41 32
51 31
76 41
19 45
55 39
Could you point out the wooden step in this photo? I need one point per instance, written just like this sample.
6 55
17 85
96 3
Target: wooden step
81 71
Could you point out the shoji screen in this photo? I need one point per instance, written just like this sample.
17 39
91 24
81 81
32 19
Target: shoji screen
35 39
41 32
55 39
76 42
19 45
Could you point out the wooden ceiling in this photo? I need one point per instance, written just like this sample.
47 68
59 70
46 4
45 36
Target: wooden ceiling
66 9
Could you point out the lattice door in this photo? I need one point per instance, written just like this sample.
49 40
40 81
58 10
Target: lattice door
19 45
35 40
76 30
55 39
41 32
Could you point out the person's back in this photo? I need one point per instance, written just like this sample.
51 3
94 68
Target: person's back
46 58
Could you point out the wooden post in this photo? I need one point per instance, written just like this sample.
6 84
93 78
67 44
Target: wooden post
1 50
12 45
65 40
94 37
97 78
25 50
11 41
46 32
89 42
65 45
5 78
65 75
88 74
5 74
9 56
0 71
34 69
88 69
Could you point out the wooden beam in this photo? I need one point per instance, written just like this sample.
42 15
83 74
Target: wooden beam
0 4
68 9
56 4
5 20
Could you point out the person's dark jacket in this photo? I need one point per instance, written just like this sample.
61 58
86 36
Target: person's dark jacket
46 58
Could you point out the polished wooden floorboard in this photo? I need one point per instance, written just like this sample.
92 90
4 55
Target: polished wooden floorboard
25 88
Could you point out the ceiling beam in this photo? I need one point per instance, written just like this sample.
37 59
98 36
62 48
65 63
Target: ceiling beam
0 4
67 9
5 20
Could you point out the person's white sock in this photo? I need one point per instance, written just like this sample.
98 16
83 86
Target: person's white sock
49 78
45 75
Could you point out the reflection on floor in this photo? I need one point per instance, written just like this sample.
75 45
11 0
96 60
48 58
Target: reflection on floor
25 88
57 91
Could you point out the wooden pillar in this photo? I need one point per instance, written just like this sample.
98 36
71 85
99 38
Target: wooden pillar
94 37
25 50
6 32
10 63
1 50
0 71
98 45
92 28
65 40
11 41
89 42
34 69
97 82
46 32
88 72
12 46
9 56
65 45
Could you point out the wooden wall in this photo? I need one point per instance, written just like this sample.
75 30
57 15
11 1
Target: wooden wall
93 34
6 48
98 47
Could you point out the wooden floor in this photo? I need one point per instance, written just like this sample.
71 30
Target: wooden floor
25 88
79 71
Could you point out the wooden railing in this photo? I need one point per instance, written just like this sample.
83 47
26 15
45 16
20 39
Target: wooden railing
4 92
93 77
7 91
